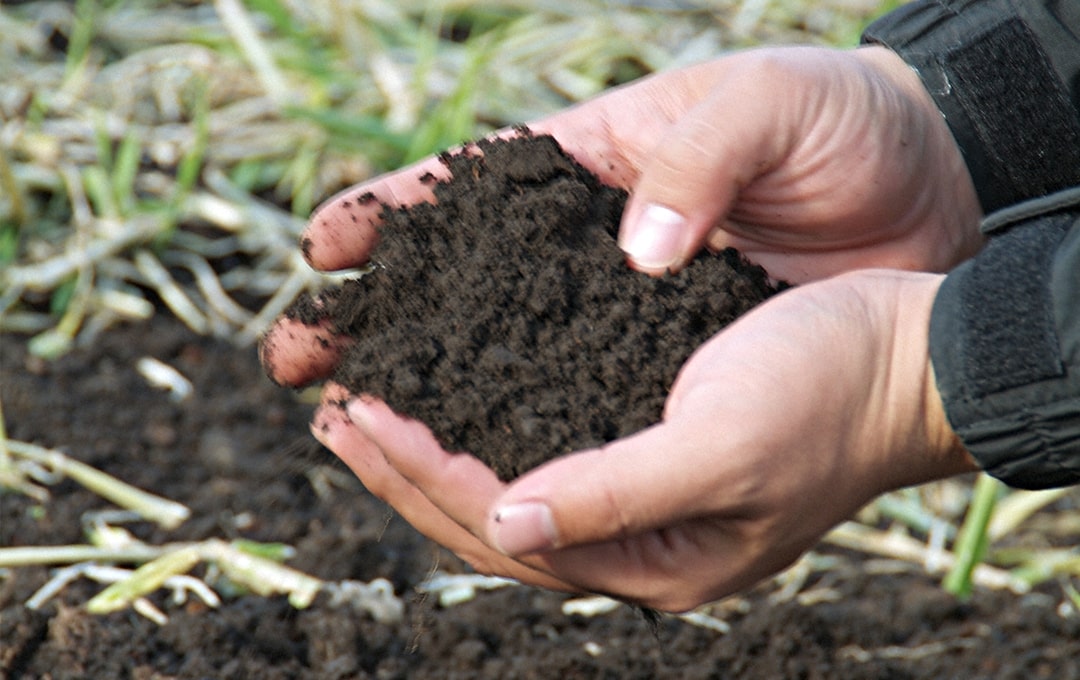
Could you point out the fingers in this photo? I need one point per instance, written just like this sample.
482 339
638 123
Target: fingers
417 456
607 494
658 519
578 500
342 231
600 495
610 135
690 180
333 427
295 354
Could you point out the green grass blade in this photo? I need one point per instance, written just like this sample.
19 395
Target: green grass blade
972 541
144 580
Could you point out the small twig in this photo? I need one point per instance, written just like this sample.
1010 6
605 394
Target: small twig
454 589
913 514
58 340
901 653
171 293
240 26
261 575
902 547
47 275
73 554
146 579
1015 508
210 287
252 566
12 189
163 376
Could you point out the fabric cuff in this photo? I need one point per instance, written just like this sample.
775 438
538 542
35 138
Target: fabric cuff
1000 93
1005 345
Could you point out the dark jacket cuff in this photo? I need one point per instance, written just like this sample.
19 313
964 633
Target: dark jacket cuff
1005 345
1004 75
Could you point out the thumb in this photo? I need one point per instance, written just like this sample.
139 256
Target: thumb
690 182
622 489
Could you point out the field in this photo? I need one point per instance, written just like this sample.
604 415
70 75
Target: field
164 512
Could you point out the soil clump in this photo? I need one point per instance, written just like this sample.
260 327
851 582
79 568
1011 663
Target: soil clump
505 317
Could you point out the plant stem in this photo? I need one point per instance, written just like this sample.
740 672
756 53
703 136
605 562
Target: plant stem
169 514
73 554
972 541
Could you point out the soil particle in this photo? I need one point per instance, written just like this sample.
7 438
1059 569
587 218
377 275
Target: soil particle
505 317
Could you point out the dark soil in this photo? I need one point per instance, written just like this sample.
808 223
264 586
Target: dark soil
239 455
230 453
505 317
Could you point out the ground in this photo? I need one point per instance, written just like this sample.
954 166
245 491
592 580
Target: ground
238 453
233 454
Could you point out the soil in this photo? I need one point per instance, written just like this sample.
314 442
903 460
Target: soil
238 454
505 317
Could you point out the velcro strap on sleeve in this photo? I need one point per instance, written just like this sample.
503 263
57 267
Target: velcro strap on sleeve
1005 345
1000 93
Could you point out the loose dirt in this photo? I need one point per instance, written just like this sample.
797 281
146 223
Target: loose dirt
505 317
233 454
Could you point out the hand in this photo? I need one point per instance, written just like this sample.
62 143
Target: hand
778 428
811 161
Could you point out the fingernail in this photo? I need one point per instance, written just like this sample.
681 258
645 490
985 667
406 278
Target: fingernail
524 528
359 410
653 242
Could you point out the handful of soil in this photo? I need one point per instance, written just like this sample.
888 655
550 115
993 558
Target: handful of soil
504 316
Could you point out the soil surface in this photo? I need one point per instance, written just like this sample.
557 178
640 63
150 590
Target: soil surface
505 317
238 453
234 454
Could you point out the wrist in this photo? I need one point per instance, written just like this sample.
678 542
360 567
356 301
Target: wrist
944 454
912 438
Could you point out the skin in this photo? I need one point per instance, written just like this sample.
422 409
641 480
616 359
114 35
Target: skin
832 169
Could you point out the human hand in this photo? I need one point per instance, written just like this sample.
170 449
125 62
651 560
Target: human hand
808 160
811 161
778 428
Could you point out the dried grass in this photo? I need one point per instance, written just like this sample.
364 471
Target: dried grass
157 154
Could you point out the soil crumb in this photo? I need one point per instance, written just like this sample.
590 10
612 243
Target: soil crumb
504 315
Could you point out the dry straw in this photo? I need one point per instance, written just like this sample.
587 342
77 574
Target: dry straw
165 155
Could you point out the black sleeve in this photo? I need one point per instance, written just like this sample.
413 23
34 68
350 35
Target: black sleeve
1005 345
1006 77
1005 328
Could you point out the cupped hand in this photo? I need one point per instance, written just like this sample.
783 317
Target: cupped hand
810 161
777 429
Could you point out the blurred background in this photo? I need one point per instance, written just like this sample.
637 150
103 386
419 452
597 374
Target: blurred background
162 156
